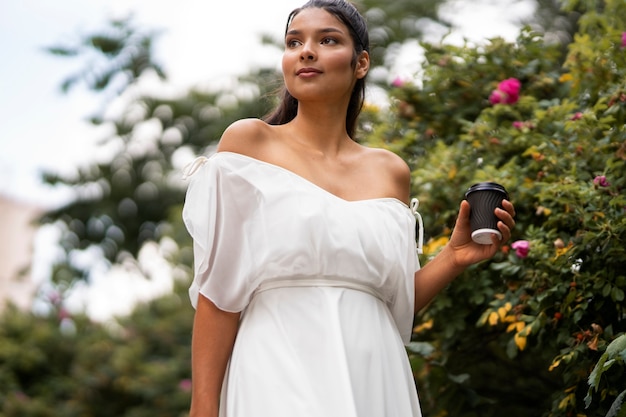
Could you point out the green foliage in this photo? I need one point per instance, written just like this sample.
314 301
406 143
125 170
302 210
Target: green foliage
525 331
62 365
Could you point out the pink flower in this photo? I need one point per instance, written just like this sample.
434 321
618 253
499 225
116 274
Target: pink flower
507 92
397 82
623 39
54 297
601 181
522 247
20 396
185 385
64 314
510 86
523 125
577 116
496 97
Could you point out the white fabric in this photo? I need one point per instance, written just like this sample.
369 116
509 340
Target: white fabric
325 286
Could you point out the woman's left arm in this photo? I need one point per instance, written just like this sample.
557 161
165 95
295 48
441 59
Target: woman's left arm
460 252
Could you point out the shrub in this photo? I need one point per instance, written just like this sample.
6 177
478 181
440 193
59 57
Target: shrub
539 330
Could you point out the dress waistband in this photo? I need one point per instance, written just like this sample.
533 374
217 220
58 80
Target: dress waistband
334 282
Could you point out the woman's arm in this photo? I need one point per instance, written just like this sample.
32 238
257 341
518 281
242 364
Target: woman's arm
214 333
459 253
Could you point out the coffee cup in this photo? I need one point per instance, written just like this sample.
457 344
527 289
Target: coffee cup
483 198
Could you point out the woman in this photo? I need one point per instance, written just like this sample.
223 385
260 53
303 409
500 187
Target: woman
306 273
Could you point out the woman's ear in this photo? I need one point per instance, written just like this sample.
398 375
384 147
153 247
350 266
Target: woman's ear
362 64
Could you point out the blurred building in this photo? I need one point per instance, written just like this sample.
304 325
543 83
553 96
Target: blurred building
17 232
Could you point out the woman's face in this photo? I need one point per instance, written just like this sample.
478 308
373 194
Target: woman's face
318 59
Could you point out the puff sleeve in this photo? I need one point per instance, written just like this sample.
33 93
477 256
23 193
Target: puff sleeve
215 212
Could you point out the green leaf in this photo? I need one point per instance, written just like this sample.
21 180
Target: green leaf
421 348
62 51
617 294
617 348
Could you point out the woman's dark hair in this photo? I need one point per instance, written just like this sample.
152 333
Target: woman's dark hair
354 21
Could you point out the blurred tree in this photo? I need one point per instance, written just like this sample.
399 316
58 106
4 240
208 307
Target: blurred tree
124 201
114 58
68 366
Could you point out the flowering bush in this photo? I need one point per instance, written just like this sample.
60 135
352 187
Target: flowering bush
136 366
538 330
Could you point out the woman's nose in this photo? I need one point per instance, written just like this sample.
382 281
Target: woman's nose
307 53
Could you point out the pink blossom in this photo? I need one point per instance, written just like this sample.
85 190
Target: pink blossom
577 116
185 385
601 181
507 92
523 125
522 247
397 82
510 86
623 39
54 297
21 396
496 97
64 314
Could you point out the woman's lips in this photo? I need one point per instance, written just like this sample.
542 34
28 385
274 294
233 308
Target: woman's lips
308 72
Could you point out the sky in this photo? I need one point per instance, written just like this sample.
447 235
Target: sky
43 130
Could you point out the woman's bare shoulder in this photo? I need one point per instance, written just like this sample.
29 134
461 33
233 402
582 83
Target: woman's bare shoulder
385 160
244 136
397 176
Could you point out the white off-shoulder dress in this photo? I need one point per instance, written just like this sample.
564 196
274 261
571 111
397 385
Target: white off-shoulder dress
325 287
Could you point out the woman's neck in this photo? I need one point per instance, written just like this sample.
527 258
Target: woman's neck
321 129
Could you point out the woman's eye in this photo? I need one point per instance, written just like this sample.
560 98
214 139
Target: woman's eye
292 43
329 41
